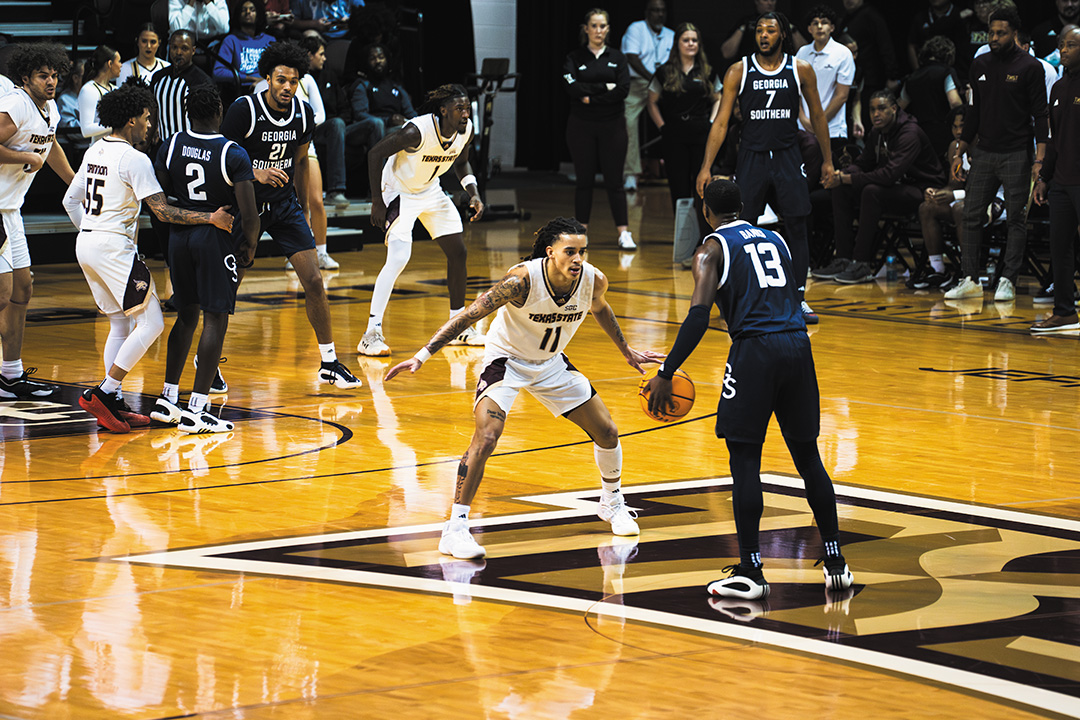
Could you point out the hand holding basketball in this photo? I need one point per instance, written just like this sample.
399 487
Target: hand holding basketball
666 400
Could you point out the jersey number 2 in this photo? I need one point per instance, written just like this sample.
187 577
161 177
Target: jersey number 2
766 260
198 175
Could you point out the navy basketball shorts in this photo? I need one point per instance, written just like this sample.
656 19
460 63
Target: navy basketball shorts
286 223
782 170
766 374
202 264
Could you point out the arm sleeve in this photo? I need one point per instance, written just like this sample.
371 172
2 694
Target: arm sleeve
314 99
181 15
690 333
73 197
88 119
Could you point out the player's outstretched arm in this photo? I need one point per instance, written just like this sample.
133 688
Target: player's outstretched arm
165 212
407 138
718 131
605 317
468 181
513 286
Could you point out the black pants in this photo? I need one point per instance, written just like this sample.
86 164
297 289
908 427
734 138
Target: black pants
1064 215
873 202
683 145
598 145
1011 170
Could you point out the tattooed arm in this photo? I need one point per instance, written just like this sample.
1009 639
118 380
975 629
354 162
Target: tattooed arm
605 317
165 212
514 287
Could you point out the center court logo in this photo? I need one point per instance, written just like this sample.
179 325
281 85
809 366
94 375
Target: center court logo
952 593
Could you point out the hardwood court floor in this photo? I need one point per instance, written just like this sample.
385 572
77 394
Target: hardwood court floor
290 570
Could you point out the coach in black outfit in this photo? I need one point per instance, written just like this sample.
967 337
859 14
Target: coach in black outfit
597 77
1061 172
1008 109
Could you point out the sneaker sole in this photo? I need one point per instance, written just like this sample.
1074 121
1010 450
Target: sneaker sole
104 417
855 281
361 350
165 419
481 554
337 382
1071 326
135 419
760 594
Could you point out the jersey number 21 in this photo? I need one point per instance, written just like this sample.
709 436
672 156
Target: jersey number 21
766 260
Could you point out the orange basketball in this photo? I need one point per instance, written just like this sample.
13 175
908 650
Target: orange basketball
682 393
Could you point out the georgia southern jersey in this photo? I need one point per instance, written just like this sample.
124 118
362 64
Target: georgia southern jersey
35 131
758 291
769 102
203 169
414 171
541 328
111 184
270 138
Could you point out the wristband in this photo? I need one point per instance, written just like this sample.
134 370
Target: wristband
958 194
665 373
467 181
422 355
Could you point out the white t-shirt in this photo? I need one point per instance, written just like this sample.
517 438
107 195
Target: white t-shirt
107 192
653 49
414 171
6 85
88 116
834 65
35 131
541 328
133 68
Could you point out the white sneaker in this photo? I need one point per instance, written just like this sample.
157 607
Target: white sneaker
201 423
966 288
469 336
1005 291
457 541
373 344
326 262
626 241
631 183
165 412
620 516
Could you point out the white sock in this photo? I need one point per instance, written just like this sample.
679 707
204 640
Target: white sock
459 512
373 323
11 369
171 392
328 353
609 489
937 262
110 386
455 312
197 402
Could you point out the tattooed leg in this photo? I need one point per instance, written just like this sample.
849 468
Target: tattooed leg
490 420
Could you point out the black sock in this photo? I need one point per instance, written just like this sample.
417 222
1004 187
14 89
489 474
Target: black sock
750 558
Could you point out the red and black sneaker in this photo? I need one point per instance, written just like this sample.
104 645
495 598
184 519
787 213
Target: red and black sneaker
133 418
103 406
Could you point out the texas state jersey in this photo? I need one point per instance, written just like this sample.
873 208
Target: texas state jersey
35 130
270 138
541 328
757 291
414 171
769 102
112 182
203 169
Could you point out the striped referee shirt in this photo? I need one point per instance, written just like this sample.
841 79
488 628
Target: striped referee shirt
170 88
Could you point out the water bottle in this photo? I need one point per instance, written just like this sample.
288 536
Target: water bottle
892 271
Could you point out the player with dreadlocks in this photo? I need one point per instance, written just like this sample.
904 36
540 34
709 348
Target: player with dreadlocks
541 302
404 170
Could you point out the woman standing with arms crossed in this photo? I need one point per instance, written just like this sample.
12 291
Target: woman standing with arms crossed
597 78
101 71
683 99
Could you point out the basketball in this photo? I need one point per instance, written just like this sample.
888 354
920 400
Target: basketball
682 394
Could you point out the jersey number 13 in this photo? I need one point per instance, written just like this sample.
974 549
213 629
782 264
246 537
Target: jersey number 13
767 267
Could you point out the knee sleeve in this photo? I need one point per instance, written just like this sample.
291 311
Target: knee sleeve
397 257
149 324
609 461
119 329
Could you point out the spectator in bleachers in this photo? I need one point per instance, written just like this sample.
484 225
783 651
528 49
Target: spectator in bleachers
98 77
67 101
329 17
943 18
380 104
943 206
278 17
890 175
332 133
646 44
146 62
975 34
1008 111
933 90
204 18
1045 36
834 66
244 45
741 42
856 127
876 58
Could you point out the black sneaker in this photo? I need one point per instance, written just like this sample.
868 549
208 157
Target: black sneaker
744 582
336 374
831 270
856 273
940 280
1044 296
837 575
23 388
218 386
919 280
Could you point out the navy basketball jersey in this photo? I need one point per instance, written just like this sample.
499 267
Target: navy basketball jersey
270 138
769 102
758 291
202 170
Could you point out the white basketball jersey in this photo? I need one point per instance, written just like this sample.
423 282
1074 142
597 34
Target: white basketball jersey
34 132
414 171
541 328
113 181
